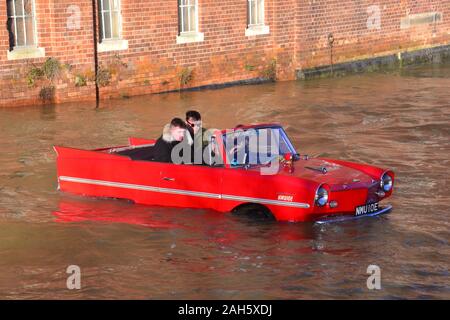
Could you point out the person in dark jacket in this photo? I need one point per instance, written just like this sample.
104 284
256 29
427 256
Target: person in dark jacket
194 123
173 134
198 134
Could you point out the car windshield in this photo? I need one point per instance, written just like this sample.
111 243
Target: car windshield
256 146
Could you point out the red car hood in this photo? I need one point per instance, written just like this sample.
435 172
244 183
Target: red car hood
336 175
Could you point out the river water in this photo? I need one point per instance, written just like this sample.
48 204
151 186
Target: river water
395 120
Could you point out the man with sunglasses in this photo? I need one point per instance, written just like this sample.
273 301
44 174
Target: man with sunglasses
194 122
198 134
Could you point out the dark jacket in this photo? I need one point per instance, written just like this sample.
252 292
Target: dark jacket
162 151
200 136
200 142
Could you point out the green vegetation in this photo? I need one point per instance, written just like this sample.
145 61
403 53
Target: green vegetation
103 76
51 68
80 80
46 73
249 67
186 76
270 72
34 74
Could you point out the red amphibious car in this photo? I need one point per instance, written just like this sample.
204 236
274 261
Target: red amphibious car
297 188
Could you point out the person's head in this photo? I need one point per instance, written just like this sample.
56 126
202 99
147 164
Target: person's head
194 120
177 129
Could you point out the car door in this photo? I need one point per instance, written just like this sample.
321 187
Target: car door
192 186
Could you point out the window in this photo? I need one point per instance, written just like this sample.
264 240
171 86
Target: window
255 12
21 23
188 22
110 25
256 145
110 20
187 16
255 18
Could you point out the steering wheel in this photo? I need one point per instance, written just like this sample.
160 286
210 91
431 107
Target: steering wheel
234 152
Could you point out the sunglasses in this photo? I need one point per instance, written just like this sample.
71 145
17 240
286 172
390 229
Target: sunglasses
195 124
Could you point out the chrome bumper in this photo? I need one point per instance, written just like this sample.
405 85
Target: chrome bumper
383 210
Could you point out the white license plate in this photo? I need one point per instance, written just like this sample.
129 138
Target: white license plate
366 209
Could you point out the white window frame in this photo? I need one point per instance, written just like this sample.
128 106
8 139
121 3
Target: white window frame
195 5
109 13
112 43
18 52
259 27
190 35
250 12
33 17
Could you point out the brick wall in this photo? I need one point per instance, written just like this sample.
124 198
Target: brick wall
153 62
364 28
72 47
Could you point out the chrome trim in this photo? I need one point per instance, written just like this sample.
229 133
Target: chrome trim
342 218
381 194
385 171
266 201
131 147
322 169
139 187
315 194
183 192
381 179
333 204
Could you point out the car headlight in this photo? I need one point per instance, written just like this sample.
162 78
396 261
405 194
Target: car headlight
321 197
386 182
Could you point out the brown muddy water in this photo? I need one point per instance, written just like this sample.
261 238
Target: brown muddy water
395 120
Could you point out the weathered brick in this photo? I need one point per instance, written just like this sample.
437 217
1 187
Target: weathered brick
298 39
